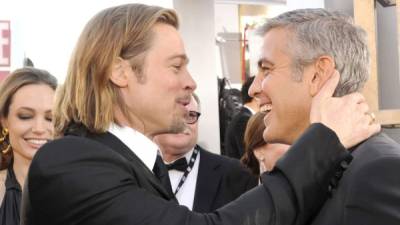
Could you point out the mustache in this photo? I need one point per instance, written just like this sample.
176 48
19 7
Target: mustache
185 98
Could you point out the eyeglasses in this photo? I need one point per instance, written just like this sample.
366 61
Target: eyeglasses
192 117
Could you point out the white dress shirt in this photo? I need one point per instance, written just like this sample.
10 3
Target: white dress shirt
185 195
142 146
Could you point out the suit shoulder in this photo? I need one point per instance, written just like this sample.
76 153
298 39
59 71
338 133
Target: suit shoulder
70 148
225 162
375 181
72 143
375 161
378 147
231 170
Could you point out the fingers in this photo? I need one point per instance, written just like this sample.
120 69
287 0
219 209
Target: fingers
371 126
372 117
375 128
329 87
362 107
354 97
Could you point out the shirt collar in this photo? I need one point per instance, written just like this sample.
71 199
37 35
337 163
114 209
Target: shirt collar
187 155
141 145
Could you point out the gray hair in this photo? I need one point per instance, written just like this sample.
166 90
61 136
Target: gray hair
318 32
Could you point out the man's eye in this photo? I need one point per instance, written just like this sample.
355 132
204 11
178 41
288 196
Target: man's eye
177 67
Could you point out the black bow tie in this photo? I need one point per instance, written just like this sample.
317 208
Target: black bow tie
180 165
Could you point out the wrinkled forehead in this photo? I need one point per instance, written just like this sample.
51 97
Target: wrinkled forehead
277 46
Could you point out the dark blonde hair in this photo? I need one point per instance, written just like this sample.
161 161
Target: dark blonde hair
253 138
8 87
88 97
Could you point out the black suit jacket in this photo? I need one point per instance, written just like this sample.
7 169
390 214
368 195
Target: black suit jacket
220 180
369 191
95 179
234 137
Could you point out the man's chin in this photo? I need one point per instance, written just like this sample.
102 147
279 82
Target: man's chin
271 138
177 126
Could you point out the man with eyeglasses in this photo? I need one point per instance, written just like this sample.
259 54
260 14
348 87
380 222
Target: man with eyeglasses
201 180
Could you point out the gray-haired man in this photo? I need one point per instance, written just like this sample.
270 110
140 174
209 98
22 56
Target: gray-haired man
301 50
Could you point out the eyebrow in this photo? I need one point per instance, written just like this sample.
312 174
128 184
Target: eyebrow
32 110
180 56
265 60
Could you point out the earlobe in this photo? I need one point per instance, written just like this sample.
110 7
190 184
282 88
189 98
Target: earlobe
259 155
314 84
3 122
119 73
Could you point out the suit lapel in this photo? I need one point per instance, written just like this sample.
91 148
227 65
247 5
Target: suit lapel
145 177
208 182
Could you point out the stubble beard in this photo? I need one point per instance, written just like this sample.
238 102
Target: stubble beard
177 125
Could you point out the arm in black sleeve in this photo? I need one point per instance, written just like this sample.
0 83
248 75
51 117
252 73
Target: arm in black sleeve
85 184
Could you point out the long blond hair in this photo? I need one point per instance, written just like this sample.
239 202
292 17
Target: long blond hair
87 96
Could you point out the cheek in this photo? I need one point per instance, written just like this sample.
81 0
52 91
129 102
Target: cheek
49 127
16 136
17 129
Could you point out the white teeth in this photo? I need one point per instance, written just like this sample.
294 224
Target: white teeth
266 108
37 141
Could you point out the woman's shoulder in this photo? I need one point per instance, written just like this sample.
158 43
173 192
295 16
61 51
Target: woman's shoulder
3 176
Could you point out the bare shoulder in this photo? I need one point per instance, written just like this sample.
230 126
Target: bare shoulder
3 175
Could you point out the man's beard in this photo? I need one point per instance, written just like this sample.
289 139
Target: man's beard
178 124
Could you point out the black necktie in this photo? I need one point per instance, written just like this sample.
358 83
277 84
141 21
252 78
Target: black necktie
161 172
180 164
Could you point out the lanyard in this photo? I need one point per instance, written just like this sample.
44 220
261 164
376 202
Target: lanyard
188 169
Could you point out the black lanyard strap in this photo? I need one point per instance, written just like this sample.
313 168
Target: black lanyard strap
188 169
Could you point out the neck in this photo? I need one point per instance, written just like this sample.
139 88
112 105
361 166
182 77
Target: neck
168 157
20 167
132 122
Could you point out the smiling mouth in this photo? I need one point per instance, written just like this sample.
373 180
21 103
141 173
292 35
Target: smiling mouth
266 108
38 142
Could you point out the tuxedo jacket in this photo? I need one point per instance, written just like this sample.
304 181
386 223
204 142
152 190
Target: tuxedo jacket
234 136
369 191
220 180
95 179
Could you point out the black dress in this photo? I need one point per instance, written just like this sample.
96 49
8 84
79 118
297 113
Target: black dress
9 210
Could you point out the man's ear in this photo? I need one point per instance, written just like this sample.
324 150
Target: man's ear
324 67
120 72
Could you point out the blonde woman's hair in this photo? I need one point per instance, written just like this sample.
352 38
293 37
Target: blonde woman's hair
88 97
